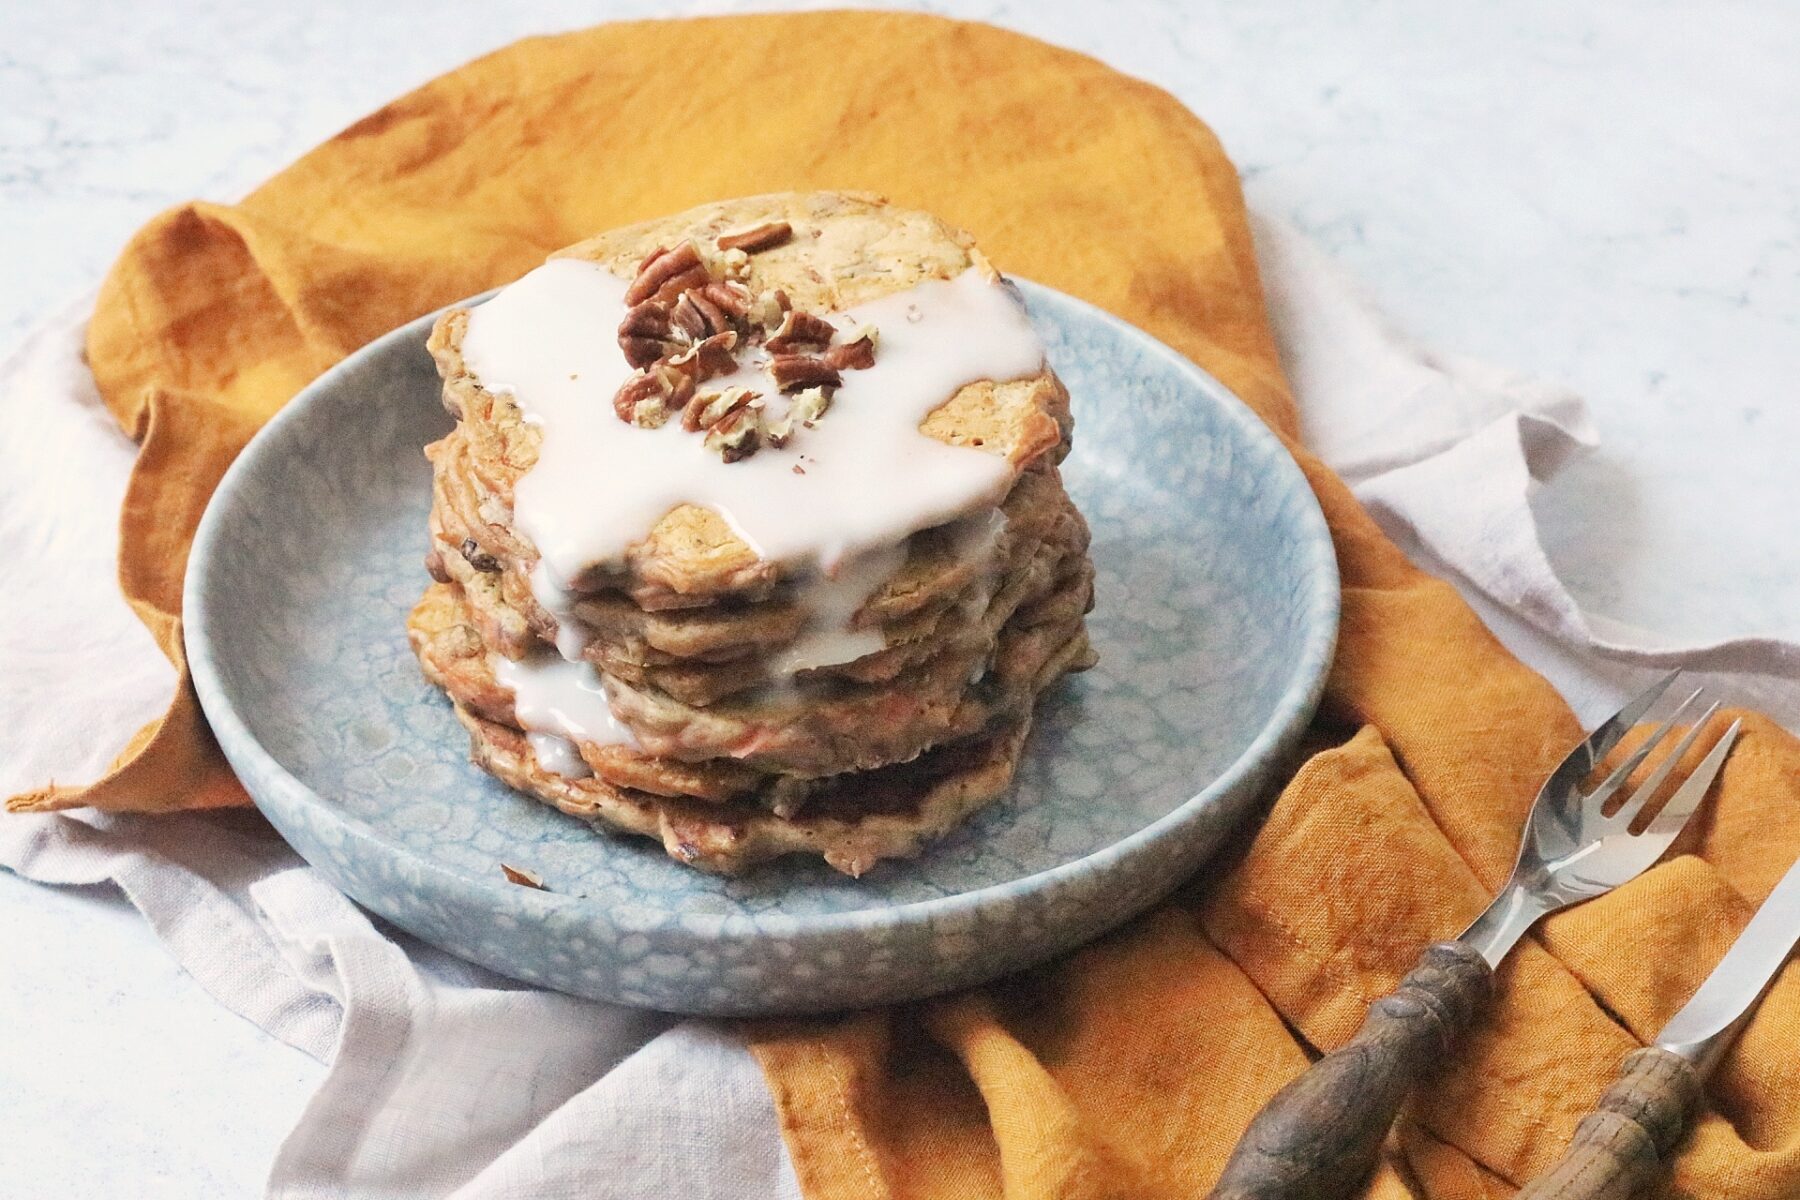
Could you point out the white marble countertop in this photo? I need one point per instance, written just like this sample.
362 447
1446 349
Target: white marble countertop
1607 197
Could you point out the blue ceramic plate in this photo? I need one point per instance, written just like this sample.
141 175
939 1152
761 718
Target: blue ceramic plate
1217 603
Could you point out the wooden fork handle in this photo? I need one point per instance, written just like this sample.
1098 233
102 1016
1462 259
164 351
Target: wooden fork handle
1621 1147
1320 1134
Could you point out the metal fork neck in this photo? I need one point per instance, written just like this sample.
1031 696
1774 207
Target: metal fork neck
1499 929
1706 1052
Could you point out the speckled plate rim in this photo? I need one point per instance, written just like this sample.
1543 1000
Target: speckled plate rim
251 759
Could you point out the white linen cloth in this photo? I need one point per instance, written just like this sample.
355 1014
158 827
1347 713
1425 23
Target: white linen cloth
447 1081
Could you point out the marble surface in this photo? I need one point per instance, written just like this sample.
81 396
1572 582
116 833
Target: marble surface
1605 194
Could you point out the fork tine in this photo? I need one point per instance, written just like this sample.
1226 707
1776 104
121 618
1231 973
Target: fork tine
1613 782
1668 823
1608 733
1647 791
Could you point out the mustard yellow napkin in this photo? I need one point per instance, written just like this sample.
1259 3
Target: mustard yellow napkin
1128 1069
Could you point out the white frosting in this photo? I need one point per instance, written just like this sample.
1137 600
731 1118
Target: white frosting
831 600
558 755
978 537
870 477
839 499
565 699
571 636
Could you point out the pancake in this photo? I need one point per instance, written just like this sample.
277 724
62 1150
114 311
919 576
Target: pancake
453 656
705 654
796 730
845 250
940 567
875 816
740 706
801 732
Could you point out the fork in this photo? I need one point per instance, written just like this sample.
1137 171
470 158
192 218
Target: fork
1319 1136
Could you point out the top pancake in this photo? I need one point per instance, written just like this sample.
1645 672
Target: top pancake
847 249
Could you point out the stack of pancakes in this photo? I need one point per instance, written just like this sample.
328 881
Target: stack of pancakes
741 747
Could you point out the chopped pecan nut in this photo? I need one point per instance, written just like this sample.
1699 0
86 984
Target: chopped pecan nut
799 329
648 397
633 393
736 435
803 411
523 877
732 299
771 308
808 406
696 318
709 408
652 412
678 386
648 319
643 332
690 313
762 237
478 558
665 274
640 351
796 372
707 359
858 355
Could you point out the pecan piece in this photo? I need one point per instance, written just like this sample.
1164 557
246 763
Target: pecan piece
478 558
665 274
855 354
804 410
771 308
523 877
648 397
762 237
696 318
643 332
797 372
709 408
736 435
639 401
732 299
799 329
648 318
640 351
708 358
